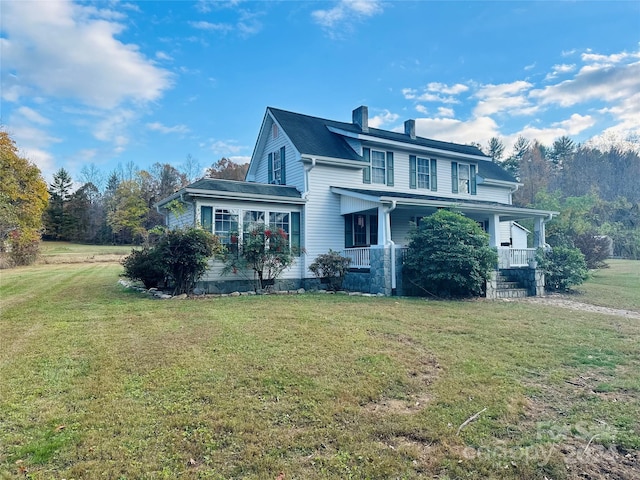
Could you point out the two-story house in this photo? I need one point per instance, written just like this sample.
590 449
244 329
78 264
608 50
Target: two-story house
355 189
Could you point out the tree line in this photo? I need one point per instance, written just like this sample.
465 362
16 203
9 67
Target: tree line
594 189
123 211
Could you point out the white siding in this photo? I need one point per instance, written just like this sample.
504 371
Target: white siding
184 220
294 170
323 225
402 174
494 194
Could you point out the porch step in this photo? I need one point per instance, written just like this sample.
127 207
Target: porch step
512 293
507 285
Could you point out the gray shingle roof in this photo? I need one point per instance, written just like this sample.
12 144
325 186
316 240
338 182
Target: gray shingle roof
247 188
494 171
311 135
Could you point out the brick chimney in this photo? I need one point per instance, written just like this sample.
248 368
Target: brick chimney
410 128
360 117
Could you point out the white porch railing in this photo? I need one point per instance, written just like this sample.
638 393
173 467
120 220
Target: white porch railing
507 257
515 257
359 257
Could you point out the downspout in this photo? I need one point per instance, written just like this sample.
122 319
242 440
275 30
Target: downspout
307 170
392 245
306 178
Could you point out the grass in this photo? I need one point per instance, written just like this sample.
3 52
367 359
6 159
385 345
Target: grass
67 252
99 382
615 287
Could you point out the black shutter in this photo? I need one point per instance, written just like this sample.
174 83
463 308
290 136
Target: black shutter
366 173
454 177
412 171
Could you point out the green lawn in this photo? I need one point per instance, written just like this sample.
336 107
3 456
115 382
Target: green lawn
617 286
99 382
67 252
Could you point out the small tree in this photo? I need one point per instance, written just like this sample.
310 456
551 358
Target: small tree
331 266
265 251
449 255
563 267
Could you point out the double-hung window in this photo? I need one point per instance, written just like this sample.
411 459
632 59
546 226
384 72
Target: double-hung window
379 167
423 173
276 164
463 178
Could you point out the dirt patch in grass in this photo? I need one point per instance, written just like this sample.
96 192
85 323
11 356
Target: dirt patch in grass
79 258
592 448
564 301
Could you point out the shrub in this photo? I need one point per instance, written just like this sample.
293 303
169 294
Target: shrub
331 266
184 254
145 265
449 255
24 246
180 256
563 267
265 251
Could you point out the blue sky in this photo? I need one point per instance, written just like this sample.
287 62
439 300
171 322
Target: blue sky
108 83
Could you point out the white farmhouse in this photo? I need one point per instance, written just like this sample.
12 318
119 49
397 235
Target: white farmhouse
357 189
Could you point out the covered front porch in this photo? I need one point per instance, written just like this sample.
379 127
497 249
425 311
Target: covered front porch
380 221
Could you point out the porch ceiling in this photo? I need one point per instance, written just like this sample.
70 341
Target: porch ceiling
372 198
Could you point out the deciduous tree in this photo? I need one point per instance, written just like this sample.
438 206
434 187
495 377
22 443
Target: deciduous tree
23 199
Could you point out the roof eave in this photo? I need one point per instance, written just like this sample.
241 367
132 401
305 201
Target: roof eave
243 196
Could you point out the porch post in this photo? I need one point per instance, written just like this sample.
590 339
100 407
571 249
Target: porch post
382 226
494 230
539 233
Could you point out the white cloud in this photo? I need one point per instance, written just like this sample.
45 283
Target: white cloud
436 92
344 13
159 127
43 159
446 112
32 116
575 124
512 105
503 89
604 82
560 70
62 49
421 109
160 55
384 118
447 89
213 27
224 147
451 130
113 128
